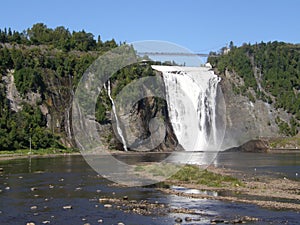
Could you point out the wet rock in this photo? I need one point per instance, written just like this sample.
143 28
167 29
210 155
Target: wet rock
51 186
1 169
248 218
33 189
120 223
107 206
178 220
217 221
188 219
133 201
67 207
33 207
182 210
237 221
103 200
30 223
125 197
87 224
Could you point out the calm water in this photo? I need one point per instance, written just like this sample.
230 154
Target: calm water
270 164
69 180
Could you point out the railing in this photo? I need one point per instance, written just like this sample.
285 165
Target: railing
173 54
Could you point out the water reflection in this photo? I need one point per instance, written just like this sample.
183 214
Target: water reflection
194 191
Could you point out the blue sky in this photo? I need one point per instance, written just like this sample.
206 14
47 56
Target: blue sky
198 25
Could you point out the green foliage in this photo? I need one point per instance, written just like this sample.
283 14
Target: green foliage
194 174
19 127
238 61
278 67
50 62
28 79
287 129
60 38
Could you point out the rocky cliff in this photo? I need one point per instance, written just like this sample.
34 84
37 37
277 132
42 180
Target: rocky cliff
247 119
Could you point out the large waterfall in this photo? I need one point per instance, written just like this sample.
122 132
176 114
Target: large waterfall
191 95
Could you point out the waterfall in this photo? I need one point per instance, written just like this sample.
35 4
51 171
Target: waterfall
119 130
191 95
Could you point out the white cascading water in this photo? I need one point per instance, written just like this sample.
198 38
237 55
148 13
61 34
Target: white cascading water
119 130
191 94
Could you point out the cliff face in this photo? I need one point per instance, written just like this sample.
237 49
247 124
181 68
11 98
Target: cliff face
145 122
149 124
247 119
56 108
149 127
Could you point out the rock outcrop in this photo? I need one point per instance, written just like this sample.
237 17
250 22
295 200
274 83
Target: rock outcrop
251 146
247 120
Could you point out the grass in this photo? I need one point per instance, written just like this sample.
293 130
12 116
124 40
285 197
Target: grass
156 169
188 173
288 142
38 151
194 174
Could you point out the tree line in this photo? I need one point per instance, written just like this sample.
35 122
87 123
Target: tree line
59 37
270 71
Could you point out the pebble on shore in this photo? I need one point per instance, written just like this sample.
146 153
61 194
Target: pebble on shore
67 207
33 189
178 220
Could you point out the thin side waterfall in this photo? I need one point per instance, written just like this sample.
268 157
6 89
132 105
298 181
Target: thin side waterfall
119 130
191 95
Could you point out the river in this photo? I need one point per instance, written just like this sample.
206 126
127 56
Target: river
37 189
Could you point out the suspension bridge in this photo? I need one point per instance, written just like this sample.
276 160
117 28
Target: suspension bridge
173 54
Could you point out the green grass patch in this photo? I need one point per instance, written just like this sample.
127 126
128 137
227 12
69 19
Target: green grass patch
39 151
286 142
156 169
194 174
